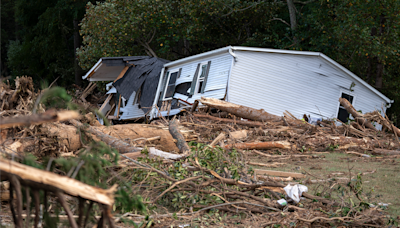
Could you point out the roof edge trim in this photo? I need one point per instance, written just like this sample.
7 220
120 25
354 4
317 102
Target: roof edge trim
198 56
92 70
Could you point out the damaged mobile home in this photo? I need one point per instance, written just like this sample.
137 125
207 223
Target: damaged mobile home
300 82
133 87
275 80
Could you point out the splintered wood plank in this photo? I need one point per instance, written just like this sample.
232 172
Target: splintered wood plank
122 73
279 173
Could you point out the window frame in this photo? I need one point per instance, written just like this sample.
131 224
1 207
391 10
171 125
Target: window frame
167 83
198 77
340 106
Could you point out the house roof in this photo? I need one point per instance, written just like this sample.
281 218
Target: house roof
232 49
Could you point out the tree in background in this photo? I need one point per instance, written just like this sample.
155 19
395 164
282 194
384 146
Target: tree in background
169 29
45 49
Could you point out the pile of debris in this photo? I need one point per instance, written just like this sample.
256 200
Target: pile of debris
194 163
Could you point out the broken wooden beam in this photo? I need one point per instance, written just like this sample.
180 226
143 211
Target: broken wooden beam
278 173
240 110
37 178
176 134
260 145
357 116
48 116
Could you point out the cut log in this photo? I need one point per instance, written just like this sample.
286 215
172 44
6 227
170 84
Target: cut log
357 116
386 152
176 134
37 178
273 165
260 145
239 122
240 110
48 116
278 173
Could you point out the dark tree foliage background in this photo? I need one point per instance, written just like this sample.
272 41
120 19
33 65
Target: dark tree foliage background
40 38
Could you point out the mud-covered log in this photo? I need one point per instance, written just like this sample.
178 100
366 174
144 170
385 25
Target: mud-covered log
113 142
357 116
37 178
176 134
260 145
48 116
240 110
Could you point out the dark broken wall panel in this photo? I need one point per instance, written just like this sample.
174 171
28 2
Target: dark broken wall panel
145 74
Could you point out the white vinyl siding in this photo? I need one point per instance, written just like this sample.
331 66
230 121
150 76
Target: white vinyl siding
217 76
300 84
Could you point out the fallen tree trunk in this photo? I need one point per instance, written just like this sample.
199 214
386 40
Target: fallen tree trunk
239 110
260 145
38 178
176 134
113 142
239 122
357 116
48 116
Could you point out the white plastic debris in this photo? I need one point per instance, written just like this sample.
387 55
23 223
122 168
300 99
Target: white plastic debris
282 202
295 191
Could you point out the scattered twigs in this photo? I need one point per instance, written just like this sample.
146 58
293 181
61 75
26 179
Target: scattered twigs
175 184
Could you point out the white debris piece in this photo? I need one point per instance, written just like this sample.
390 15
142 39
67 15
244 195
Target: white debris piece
295 191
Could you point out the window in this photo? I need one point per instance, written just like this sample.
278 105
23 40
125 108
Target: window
170 85
200 79
343 115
